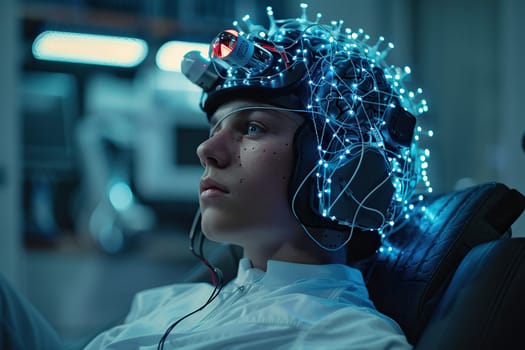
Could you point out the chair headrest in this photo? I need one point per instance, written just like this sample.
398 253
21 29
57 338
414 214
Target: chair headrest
406 283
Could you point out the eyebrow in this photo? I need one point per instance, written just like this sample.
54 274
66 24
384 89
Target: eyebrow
240 110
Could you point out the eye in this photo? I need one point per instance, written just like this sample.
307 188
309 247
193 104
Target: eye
254 129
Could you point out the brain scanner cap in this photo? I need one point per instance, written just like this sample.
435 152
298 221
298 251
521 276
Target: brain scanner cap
366 164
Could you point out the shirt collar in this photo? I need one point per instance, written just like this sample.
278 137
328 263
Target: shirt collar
282 273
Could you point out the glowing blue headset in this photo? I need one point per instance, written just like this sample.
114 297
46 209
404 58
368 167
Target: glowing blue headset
365 163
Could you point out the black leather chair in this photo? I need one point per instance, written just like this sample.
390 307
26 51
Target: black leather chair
458 279
455 278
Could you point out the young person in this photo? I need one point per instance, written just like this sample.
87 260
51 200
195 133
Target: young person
311 143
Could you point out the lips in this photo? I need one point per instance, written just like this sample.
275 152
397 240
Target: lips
209 185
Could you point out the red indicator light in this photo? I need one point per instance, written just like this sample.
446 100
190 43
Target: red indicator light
224 44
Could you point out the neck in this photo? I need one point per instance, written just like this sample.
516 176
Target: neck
302 251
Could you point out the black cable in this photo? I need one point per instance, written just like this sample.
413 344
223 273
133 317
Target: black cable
216 275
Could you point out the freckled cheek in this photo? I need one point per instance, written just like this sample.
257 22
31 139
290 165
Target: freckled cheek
275 162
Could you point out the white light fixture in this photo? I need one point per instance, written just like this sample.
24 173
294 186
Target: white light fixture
170 54
90 49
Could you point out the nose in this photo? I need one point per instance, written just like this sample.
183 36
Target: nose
215 151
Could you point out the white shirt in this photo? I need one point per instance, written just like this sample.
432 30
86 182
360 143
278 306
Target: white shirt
290 306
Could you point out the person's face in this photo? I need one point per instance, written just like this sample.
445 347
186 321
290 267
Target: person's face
247 163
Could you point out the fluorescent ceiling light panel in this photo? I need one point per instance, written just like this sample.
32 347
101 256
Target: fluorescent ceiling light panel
90 49
169 56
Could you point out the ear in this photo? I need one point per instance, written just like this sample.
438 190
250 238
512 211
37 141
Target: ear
362 185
